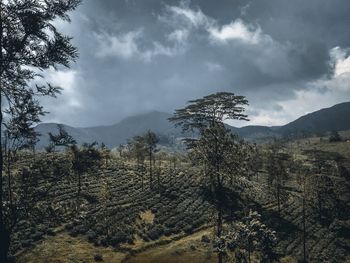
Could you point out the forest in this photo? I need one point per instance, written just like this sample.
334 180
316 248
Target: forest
209 196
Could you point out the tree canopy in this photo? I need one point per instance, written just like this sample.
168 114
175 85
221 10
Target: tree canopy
214 108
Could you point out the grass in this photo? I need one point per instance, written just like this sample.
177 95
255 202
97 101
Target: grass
63 248
147 217
184 250
322 143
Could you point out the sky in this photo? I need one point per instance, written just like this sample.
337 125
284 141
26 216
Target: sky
287 57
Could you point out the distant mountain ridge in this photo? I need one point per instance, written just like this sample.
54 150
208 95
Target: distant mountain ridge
336 117
116 134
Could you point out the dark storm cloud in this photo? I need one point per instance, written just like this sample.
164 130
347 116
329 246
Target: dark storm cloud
138 56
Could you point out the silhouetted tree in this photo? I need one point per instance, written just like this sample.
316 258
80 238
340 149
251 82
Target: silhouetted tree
29 40
206 116
24 112
303 177
150 140
84 159
139 150
334 137
277 174
62 139
322 194
255 161
120 150
105 153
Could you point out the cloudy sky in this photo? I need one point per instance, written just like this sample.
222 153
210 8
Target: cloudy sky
287 57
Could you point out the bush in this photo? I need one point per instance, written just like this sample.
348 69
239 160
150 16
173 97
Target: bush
98 258
188 229
156 232
334 137
205 239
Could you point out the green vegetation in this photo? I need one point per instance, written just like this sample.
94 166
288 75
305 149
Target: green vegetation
115 210
299 193
221 199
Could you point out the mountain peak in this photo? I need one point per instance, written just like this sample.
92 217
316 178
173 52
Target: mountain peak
336 117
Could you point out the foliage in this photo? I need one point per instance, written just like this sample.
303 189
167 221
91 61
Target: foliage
85 158
249 234
214 108
322 194
335 137
105 153
277 162
142 146
25 112
29 42
216 148
63 138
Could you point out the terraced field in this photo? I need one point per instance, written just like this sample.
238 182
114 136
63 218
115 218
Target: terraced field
114 209
120 218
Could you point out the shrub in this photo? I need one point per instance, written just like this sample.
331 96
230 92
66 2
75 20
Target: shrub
98 258
334 137
156 232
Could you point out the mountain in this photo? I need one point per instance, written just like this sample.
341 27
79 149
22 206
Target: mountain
116 134
135 125
335 118
256 132
324 120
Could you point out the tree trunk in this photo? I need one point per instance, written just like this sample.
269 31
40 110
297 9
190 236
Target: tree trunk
150 169
158 176
219 229
219 189
278 199
249 254
34 152
220 258
9 180
320 208
219 222
304 225
79 184
4 233
7 158
7 152
142 175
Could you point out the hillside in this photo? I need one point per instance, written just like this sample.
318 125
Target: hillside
336 118
116 134
321 121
